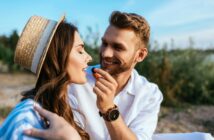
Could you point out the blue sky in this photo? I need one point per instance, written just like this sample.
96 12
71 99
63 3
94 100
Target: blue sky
177 19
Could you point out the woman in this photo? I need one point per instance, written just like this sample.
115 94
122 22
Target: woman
55 52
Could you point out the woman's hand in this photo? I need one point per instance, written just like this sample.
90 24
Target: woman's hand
59 128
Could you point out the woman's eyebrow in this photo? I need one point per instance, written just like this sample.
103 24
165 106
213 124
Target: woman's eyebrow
80 45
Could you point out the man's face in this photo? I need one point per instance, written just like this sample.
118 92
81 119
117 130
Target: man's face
118 50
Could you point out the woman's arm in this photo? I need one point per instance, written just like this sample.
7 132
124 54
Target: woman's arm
59 128
22 117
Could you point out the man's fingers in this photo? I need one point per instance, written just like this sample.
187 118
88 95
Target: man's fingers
104 74
101 86
35 133
98 92
105 83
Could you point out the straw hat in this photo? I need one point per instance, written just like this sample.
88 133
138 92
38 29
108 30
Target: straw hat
34 43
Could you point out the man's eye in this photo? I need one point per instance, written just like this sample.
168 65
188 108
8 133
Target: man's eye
104 44
116 47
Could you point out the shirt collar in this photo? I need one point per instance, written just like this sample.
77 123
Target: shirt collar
129 88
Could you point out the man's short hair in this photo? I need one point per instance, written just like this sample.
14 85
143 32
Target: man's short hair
131 21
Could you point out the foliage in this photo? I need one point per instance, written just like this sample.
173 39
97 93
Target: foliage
4 111
91 44
184 76
7 48
94 52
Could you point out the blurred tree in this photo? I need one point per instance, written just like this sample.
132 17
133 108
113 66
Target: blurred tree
92 37
7 48
184 76
13 39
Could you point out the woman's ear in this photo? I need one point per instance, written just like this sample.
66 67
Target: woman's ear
142 53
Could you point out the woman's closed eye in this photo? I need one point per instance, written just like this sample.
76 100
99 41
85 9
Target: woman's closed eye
81 52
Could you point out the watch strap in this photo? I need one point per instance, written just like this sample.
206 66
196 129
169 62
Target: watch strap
106 115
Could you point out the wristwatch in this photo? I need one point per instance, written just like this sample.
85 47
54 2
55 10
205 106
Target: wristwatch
111 115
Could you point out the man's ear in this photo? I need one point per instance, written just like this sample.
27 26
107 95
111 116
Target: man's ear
142 53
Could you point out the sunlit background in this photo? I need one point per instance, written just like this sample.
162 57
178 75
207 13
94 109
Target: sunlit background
180 61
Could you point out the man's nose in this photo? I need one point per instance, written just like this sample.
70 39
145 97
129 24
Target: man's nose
107 52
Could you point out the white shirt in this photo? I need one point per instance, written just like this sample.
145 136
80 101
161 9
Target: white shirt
138 103
183 136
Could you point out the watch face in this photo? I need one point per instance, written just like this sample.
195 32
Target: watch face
114 114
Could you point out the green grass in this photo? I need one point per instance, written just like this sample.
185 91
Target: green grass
4 111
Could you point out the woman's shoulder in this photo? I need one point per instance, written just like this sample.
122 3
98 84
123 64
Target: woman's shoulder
25 104
24 109
20 118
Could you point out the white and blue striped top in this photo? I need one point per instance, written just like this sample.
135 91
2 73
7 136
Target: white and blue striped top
20 118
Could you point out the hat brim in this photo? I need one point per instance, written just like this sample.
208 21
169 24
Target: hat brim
47 48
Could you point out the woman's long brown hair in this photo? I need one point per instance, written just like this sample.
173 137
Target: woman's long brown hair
51 87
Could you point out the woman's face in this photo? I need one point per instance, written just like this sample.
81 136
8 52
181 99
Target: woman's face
77 62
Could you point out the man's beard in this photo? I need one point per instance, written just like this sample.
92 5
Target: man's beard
117 67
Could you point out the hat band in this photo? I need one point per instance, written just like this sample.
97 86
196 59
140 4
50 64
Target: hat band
42 45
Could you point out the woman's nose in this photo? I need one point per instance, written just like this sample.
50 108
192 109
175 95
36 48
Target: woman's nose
88 58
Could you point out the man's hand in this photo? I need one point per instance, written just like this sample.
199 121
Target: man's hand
59 128
105 89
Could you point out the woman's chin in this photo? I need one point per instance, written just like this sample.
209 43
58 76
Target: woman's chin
82 81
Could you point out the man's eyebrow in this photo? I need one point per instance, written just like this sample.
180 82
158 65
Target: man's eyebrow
121 45
118 44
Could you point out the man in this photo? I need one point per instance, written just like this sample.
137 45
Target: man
120 104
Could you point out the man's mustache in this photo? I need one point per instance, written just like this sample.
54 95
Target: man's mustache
113 60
